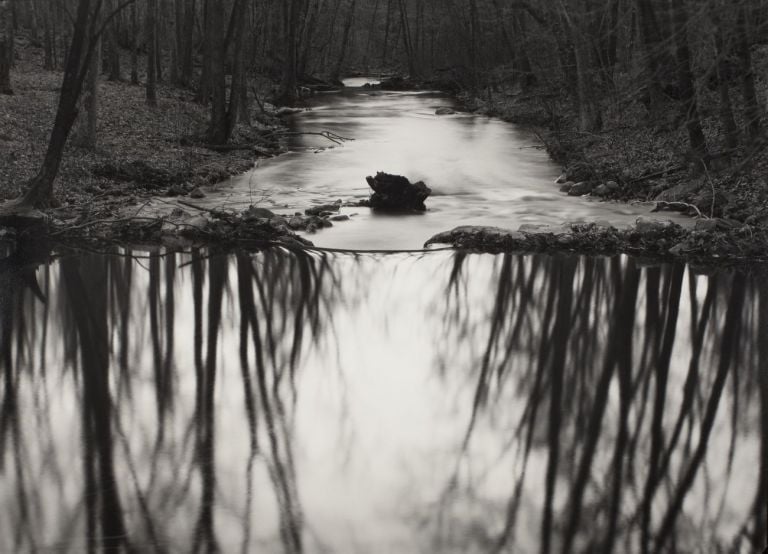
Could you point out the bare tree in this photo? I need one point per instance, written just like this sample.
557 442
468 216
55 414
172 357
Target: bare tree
291 13
6 46
686 81
151 25
85 37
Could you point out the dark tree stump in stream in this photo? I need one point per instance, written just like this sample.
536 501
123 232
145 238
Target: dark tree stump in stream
395 193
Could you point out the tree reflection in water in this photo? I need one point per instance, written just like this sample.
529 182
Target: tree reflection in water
625 439
150 402
137 481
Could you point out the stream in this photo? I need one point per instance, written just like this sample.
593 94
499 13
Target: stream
482 171
289 401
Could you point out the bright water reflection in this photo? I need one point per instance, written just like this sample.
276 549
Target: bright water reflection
288 402
483 171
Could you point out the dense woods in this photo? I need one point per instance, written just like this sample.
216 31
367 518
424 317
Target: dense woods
582 66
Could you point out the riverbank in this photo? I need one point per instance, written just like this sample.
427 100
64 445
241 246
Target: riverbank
120 190
634 157
705 244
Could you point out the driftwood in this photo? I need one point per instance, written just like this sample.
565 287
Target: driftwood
677 207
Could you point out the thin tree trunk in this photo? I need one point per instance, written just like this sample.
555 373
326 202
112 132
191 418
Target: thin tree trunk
6 46
189 26
370 34
309 33
49 58
85 133
152 52
160 32
387 25
474 31
751 107
214 39
238 69
405 29
526 68
134 45
726 107
290 77
344 41
589 120
113 52
687 86
652 41
610 38
178 40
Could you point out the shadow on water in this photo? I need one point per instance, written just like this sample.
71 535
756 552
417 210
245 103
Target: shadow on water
164 402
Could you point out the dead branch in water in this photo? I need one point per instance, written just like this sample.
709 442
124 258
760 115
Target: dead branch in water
329 135
678 207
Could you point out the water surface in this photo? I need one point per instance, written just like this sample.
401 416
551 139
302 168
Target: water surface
291 402
483 171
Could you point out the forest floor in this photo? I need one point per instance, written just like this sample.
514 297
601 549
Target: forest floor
140 151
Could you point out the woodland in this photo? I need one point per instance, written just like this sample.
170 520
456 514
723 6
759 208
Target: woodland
226 385
662 99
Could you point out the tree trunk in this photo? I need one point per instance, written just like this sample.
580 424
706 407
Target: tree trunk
87 121
751 107
652 42
589 115
40 191
214 40
187 34
407 42
152 52
370 35
160 35
387 26
310 29
686 82
344 41
6 46
526 68
290 77
727 120
238 69
49 58
176 23
204 90
134 45
474 31
609 31
113 52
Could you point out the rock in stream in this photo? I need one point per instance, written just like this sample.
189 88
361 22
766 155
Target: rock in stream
395 193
